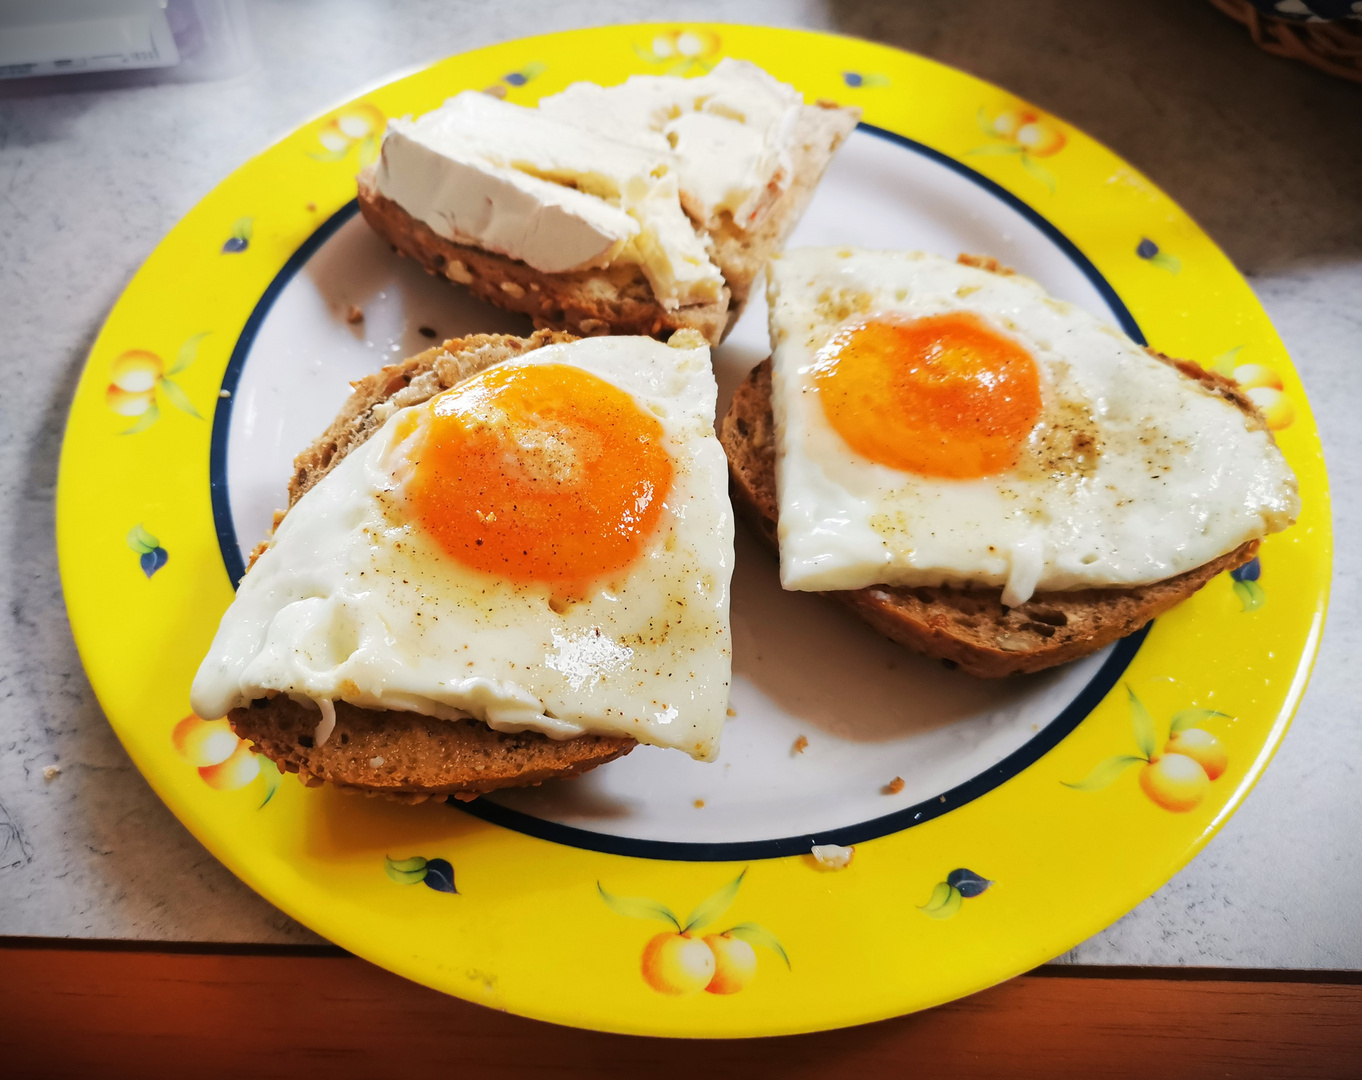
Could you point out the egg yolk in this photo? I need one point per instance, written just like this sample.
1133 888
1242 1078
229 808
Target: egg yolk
539 473
941 396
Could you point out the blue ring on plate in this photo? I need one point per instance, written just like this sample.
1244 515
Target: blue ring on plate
1050 736
1030 752
232 559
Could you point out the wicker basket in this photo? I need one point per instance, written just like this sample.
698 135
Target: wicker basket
1334 46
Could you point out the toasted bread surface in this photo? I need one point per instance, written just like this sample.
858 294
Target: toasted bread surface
402 754
971 628
618 299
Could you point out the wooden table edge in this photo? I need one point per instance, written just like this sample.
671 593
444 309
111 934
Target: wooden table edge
68 1007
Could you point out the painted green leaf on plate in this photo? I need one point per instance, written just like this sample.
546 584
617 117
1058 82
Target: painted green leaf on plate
1190 718
1142 724
179 398
712 907
759 935
1103 775
638 907
144 421
188 352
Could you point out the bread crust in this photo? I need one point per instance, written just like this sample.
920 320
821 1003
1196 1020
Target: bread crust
413 757
618 299
971 628
615 299
401 754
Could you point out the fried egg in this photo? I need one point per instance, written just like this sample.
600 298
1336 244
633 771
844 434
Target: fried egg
937 424
546 546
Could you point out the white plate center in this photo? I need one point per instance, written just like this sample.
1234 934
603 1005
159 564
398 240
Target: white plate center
869 710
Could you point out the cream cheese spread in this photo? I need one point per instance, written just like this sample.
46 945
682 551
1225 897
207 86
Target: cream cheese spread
512 180
731 131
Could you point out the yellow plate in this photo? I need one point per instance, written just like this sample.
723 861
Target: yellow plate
659 916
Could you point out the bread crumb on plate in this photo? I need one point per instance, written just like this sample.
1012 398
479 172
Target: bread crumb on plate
894 786
832 856
800 745
51 772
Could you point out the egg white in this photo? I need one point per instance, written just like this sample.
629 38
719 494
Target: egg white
1178 476
351 602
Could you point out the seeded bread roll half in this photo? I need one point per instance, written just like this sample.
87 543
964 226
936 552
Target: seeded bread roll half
617 299
971 628
405 755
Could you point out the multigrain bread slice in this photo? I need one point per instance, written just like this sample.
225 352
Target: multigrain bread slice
618 299
401 754
411 757
971 628
615 299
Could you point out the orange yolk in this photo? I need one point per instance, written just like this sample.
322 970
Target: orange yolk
539 473
942 396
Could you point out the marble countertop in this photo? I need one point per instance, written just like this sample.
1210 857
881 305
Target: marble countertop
1265 154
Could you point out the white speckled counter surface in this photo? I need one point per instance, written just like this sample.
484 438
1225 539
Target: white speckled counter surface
1265 154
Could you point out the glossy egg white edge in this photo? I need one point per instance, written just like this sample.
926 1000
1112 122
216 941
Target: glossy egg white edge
352 602
1180 478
